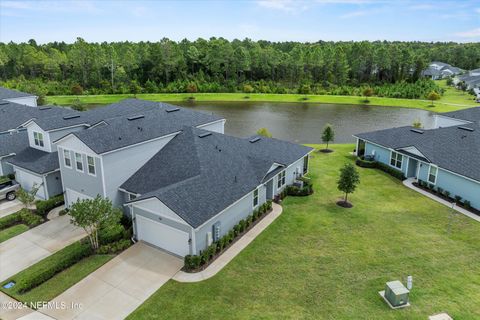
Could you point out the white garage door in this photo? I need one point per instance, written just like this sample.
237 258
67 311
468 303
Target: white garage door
28 180
162 236
74 196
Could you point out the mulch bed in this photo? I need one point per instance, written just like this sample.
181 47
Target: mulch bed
325 150
344 204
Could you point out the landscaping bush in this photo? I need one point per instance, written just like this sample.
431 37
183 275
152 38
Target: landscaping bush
458 199
365 163
391 171
111 234
23 216
114 247
192 262
10 220
44 206
446 193
467 204
50 266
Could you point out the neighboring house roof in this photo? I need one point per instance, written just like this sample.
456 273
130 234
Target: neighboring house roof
12 94
200 173
160 120
13 143
470 114
37 161
14 115
93 116
450 148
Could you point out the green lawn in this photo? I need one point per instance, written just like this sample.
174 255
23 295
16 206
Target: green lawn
440 106
320 261
61 281
456 96
13 231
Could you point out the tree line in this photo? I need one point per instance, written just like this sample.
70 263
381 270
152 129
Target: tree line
219 65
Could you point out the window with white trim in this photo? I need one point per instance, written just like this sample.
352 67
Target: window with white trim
396 160
281 179
255 197
91 165
78 161
132 196
67 158
432 174
38 139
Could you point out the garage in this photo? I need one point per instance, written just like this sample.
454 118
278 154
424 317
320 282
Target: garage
73 196
27 180
162 236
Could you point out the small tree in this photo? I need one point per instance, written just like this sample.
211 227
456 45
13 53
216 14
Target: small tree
328 134
264 132
367 92
27 198
349 179
92 215
433 96
417 124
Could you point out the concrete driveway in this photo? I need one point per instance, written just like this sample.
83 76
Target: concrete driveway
9 207
117 288
26 249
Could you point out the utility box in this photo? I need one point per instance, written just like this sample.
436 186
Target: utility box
396 293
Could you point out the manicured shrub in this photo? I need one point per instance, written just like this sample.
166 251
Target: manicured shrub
365 163
10 220
11 176
440 190
50 266
458 199
204 257
242 225
231 236
30 219
446 193
44 206
114 247
391 171
249 220
467 204
255 214
431 187
236 230
269 204
111 234
192 262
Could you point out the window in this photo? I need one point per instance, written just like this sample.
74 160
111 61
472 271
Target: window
432 174
396 160
255 198
79 161
38 139
305 165
131 197
281 179
67 158
91 165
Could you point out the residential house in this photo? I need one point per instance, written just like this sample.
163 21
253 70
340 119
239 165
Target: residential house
15 96
447 157
439 70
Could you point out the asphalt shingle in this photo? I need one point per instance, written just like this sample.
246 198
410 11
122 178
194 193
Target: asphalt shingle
36 160
13 143
11 94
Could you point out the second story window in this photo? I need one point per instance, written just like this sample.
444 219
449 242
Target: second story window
91 165
79 161
255 198
281 179
38 139
67 158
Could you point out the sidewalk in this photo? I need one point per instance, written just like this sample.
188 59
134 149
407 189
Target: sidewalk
409 184
231 252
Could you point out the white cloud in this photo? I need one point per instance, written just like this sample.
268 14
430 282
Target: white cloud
422 6
477 10
59 6
140 12
284 5
346 1
354 14
474 33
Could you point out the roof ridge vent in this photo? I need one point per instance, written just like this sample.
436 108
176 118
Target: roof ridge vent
44 108
205 134
140 116
255 139
4 102
71 117
417 131
466 128
172 109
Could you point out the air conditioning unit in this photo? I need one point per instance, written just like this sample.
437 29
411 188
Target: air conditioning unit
216 231
396 294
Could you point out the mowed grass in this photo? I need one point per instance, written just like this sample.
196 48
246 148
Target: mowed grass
11 232
61 281
320 261
439 106
456 96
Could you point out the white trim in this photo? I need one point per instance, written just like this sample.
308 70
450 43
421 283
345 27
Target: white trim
125 191
31 172
140 143
69 127
179 220
42 140
76 162
396 160
103 177
94 166
98 123
64 159
257 189
213 122
429 172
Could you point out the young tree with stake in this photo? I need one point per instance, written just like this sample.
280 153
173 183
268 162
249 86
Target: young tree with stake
349 179
328 134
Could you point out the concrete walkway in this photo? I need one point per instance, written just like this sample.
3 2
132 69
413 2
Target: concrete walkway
9 207
119 287
26 249
55 212
409 183
231 252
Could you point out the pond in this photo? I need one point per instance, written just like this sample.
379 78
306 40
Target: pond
303 122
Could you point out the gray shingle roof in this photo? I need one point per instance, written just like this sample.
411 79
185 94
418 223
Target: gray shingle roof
199 177
11 94
13 115
470 114
450 148
36 160
13 143
93 116
155 122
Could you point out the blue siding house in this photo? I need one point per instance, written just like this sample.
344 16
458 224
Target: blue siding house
446 157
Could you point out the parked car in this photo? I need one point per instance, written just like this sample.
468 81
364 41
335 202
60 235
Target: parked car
8 190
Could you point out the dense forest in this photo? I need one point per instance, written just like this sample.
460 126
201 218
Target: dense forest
217 65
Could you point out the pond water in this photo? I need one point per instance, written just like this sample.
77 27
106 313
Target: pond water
303 122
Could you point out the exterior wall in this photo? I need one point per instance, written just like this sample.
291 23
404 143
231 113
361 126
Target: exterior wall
444 122
5 168
54 184
46 137
57 134
27 179
122 164
217 126
29 101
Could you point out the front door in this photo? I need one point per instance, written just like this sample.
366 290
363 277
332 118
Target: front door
412 168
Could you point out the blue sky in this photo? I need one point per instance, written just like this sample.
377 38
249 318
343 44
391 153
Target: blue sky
275 20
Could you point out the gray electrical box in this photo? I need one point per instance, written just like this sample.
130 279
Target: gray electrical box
396 293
